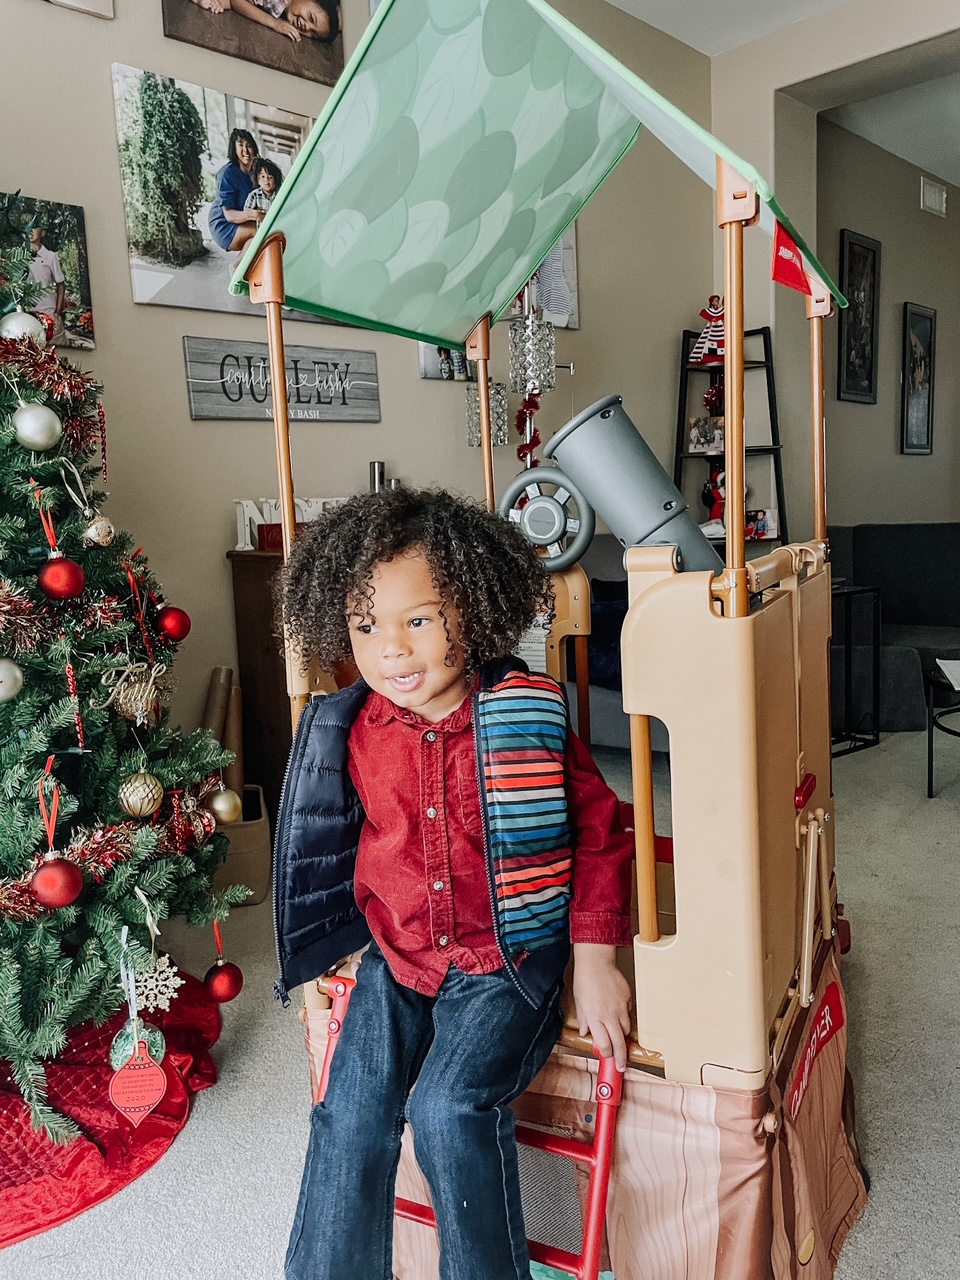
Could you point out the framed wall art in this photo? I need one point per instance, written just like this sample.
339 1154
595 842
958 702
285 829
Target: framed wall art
96 8
58 244
198 169
919 349
859 323
301 37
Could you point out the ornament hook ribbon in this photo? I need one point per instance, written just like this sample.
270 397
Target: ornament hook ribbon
46 519
49 815
153 927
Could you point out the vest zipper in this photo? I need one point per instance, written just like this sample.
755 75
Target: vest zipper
491 881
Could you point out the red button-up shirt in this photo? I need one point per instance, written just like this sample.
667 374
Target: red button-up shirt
421 877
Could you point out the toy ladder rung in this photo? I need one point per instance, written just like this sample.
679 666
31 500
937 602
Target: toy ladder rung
559 1259
555 1145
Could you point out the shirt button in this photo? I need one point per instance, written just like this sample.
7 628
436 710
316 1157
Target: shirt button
444 940
431 812
438 885
431 736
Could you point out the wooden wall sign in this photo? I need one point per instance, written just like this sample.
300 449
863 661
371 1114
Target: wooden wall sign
228 379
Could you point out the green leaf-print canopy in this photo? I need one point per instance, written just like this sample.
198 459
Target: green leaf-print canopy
460 142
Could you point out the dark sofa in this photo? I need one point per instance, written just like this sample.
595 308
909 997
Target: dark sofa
917 568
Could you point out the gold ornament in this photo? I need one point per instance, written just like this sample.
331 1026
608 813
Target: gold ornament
99 532
136 690
226 806
138 700
140 795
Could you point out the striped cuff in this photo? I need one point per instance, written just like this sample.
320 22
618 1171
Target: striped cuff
608 928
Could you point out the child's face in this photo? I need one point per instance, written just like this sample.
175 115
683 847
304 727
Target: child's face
268 183
309 18
400 643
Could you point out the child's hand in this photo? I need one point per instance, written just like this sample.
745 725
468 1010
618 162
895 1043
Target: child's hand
286 29
602 996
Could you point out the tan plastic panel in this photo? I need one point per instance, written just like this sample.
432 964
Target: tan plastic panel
571 590
725 689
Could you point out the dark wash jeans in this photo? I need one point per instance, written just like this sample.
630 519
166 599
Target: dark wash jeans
470 1050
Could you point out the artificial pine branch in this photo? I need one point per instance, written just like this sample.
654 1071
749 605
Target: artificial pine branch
60 967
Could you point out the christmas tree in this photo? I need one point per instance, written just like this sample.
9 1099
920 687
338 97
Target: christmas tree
106 811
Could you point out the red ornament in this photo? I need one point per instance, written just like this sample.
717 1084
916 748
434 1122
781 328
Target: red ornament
173 623
56 882
224 981
138 1086
61 579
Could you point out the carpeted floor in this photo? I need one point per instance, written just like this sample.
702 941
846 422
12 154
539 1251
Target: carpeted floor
219 1204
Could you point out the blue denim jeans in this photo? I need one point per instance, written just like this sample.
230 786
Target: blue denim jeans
469 1050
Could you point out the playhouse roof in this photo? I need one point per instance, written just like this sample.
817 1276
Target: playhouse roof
458 145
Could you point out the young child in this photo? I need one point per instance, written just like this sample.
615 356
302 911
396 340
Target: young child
442 806
315 19
268 178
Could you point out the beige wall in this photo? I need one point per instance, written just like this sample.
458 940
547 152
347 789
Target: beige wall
868 190
748 115
643 274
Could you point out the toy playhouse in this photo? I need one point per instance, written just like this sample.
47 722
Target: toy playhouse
460 142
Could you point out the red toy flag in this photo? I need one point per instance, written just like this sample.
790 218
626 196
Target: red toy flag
788 263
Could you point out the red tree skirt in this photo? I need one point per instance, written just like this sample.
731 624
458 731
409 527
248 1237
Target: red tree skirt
41 1184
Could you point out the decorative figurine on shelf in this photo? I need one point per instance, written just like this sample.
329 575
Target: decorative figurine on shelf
714 493
708 348
713 396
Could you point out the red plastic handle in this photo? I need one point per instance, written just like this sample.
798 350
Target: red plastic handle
804 793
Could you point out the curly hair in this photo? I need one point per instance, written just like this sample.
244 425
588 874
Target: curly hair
481 564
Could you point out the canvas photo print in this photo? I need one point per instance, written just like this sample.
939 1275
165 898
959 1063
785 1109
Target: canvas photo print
301 37
97 8
199 169
555 289
445 364
57 238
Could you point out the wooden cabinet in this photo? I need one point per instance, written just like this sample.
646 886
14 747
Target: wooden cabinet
266 709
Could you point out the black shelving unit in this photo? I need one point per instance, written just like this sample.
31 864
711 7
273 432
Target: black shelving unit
713 373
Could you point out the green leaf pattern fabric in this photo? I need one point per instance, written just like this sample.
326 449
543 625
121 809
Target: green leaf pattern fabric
460 143
465 139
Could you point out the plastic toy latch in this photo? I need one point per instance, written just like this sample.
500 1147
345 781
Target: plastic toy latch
804 793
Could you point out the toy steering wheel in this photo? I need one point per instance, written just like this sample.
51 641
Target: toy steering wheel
554 516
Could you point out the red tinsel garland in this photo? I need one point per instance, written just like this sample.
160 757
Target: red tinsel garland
45 369
22 625
105 612
82 433
530 406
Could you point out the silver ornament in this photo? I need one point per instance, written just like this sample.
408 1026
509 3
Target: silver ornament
37 427
11 680
21 324
99 532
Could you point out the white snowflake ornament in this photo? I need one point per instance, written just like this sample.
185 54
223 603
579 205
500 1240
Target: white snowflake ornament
158 986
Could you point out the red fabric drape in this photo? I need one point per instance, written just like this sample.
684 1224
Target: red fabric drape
42 1185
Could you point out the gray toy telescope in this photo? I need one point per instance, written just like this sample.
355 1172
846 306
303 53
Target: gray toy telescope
604 465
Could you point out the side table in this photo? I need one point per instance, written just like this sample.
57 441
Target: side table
857 736
939 688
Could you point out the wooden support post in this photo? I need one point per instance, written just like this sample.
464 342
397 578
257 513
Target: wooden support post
737 207
641 757
265 278
819 305
478 349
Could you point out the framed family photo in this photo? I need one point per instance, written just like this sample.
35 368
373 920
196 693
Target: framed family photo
301 37
919 350
57 237
198 169
859 323
96 8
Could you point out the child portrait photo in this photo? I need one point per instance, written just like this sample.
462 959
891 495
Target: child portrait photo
199 170
57 238
301 37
